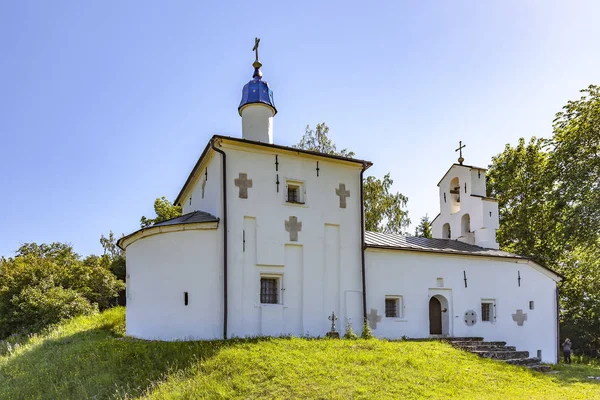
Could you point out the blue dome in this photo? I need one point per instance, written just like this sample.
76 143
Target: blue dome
257 91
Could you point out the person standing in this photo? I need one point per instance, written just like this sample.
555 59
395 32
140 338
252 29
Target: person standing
567 351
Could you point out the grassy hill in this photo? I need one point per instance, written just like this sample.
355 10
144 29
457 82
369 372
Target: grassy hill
89 357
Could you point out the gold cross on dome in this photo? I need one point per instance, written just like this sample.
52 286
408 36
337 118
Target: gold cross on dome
460 147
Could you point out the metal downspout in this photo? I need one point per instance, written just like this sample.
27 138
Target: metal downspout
224 175
362 244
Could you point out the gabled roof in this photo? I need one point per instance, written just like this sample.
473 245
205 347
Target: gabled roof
390 241
460 165
367 164
195 217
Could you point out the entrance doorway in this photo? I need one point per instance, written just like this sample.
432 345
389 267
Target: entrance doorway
435 316
440 307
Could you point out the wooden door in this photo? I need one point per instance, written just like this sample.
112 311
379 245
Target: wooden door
435 316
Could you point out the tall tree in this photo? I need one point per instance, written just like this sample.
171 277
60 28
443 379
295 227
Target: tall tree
164 210
576 163
319 141
520 179
424 228
384 210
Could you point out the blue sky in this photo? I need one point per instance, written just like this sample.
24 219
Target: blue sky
105 106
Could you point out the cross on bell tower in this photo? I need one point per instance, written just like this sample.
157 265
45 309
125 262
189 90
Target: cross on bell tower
460 147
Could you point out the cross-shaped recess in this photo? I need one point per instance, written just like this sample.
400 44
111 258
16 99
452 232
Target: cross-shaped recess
343 193
373 318
519 317
293 226
243 183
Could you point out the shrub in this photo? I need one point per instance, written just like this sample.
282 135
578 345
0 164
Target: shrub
45 284
366 332
350 334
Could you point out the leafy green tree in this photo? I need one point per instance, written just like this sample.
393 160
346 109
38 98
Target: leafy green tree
580 298
575 161
319 141
384 210
46 283
114 255
424 228
549 202
164 210
521 180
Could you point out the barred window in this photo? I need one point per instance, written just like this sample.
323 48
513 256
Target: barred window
293 194
269 290
487 310
391 308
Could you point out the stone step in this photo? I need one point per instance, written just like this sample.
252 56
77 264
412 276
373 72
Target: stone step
487 348
540 368
464 339
524 361
502 355
476 343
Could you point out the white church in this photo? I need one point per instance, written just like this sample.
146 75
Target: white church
272 241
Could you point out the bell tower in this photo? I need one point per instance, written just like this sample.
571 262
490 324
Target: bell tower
466 213
257 108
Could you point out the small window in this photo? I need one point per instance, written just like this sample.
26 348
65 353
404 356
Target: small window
295 192
531 305
393 306
439 282
269 290
488 310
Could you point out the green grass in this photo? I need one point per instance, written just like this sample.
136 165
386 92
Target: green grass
89 357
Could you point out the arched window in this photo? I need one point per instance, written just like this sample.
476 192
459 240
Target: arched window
465 225
454 195
446 233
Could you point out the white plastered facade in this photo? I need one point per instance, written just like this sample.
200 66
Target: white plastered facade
508 284
320 272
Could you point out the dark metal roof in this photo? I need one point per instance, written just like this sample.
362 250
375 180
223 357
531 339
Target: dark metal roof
390 241
447 246
195 217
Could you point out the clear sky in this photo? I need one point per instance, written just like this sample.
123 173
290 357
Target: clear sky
106 105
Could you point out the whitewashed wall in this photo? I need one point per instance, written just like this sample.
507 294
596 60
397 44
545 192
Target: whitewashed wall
160 269
321 272
413 275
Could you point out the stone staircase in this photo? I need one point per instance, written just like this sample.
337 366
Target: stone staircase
497 351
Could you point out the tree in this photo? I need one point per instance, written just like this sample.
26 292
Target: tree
549 203
384 210
575 162
46 283
319 141
424 228
114 255
521 180
164 210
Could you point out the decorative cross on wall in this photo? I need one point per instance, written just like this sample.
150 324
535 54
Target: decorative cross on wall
343 193
243 183
519 317
373 318
293 226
